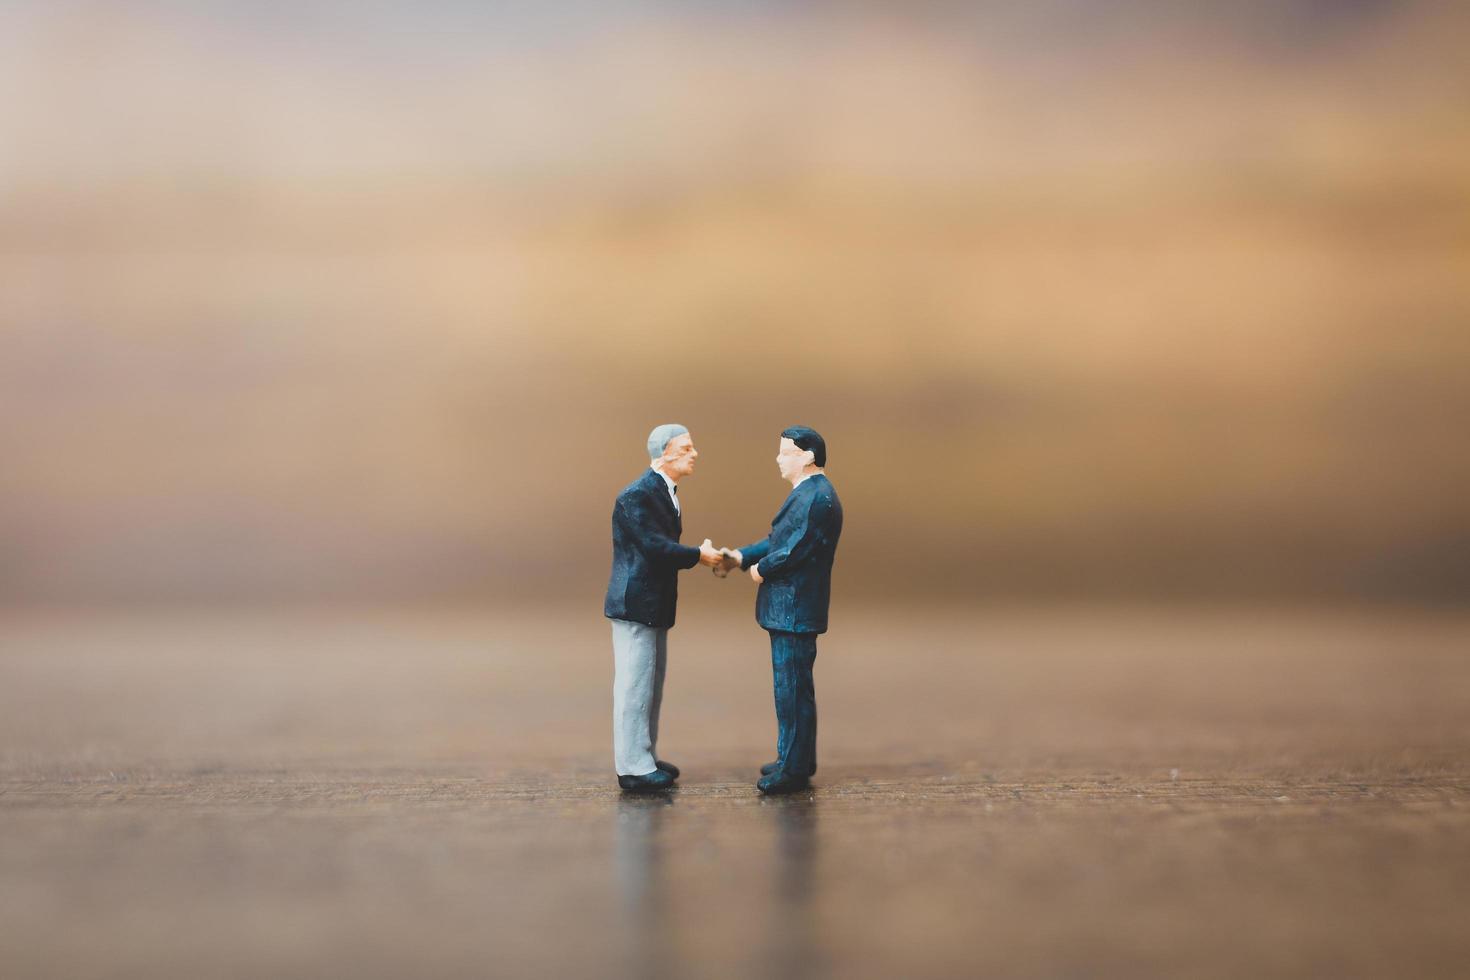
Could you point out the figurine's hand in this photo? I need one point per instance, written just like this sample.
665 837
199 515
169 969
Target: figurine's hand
708 555
755 575
726 563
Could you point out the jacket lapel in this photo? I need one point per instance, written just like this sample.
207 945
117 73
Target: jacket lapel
790 499
660 491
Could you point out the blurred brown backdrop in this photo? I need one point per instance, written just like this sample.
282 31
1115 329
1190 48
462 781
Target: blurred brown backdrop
359 300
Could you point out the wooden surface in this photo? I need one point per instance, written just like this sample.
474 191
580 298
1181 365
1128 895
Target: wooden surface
1039 792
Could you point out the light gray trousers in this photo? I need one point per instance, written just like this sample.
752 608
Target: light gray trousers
640 657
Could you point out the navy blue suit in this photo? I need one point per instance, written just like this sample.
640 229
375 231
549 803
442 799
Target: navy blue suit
647 555
795 562
796 559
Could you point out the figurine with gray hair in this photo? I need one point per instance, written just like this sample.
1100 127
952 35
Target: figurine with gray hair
642 594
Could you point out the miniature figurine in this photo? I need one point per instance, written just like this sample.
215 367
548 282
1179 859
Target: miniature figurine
641 596
793 566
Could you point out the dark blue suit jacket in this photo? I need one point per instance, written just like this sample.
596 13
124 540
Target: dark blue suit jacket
796 559
647 555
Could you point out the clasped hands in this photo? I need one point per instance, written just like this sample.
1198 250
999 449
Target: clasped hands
721 560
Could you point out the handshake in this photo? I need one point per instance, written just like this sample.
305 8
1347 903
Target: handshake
721 560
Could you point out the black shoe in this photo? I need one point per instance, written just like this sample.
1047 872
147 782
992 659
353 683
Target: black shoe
669 768
770 767
652 783
778 783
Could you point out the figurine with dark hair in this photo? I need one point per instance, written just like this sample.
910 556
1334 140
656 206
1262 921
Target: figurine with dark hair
793 566
642 594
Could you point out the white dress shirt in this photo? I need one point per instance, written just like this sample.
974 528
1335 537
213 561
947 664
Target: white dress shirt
673 493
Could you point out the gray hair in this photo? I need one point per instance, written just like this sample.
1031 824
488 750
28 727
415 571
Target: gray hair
659 438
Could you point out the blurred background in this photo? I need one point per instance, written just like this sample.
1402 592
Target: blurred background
1137 331
329 300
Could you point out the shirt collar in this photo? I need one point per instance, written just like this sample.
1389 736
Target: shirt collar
667 482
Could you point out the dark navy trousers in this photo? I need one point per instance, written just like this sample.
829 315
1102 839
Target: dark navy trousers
792 658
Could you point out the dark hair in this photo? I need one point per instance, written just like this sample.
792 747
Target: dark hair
807 438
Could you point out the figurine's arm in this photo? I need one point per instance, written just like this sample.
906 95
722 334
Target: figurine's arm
798 547
753 553
658 547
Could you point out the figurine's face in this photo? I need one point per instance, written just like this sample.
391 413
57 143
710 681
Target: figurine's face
792 460
678 458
